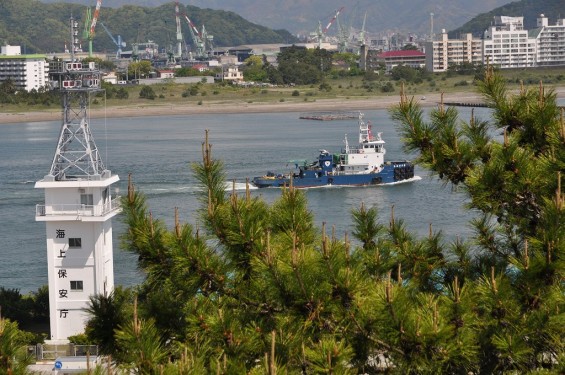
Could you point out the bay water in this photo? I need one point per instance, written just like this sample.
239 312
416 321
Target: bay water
158 151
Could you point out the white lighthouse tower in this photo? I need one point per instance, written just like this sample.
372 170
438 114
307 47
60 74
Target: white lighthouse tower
78 205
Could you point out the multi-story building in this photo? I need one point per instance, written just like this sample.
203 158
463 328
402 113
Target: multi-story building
507 45
550 41
444 52
27 71
411 58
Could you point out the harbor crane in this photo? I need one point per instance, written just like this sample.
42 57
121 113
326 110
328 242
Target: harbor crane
342 36
196 38
178 53
119 42
203 42
208 39
320 32
90 25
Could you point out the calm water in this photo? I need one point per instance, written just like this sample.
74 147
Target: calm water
157 151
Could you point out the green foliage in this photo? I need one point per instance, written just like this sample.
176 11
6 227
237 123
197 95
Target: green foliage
10 94
254 69
13 352
147 92
256 287
409 47
347 57
27 310
466 68
141 342
187 71
408 74
80 339
324 86
516 185
122 93
302 66
191 90
139 69
108 314
22 26
387 87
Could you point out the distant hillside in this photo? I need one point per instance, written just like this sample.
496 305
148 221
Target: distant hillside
302 16
529 9
40 27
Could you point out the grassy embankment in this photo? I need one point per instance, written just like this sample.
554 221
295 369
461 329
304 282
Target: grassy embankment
347 88
341 88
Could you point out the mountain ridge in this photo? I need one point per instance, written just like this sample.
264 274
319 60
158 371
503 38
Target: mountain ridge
302 16
22 26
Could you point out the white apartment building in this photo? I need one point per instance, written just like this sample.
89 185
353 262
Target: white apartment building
550 42
507 45
27 71
442 53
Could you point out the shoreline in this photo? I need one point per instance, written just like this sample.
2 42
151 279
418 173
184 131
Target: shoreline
231 107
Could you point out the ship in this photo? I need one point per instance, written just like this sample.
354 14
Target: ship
361 165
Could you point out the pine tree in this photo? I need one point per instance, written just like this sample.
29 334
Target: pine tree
14 358
257 288
517 273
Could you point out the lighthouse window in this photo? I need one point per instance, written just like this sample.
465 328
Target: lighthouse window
76 285
75 242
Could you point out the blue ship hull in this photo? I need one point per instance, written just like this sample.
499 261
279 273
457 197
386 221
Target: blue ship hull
361 165
392 172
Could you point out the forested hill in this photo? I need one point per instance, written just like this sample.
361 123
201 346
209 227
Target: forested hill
302 16
529 9
43 28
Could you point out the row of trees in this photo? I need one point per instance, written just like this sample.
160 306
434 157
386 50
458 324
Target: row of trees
257 288
11 94
29 310
296 65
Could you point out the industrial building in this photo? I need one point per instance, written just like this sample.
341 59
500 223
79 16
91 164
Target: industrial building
28 72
